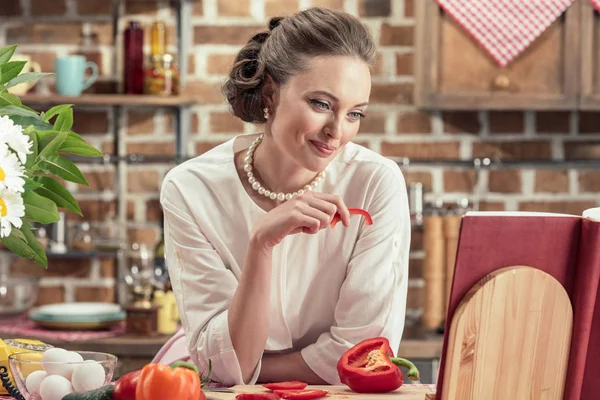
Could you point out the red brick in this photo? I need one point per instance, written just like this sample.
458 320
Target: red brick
93 210
98 180
416 297
551 181
166 149
505 181
146 7
142 181
99 294
374 8
95 57
589 181
225 122
415 268
191 64
506 122
373 123
579 150
414 122
416 240
153 210
589 122
50 295
11 9
280 8
219 64
47 8
553 122
203 147
206 34
405 64
441 150
108 268
140 122
198 8
44 58
418 176
491 206
392 93
575 207
130 210
378 67
459 181
409 8
147 236
396 35
90 122
461 122
206 92
57 267
514 150
333 4
86 7
58 33
240 8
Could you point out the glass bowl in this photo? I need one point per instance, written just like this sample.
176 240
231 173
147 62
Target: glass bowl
23 364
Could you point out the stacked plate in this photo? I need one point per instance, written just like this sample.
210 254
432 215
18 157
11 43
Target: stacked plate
77 316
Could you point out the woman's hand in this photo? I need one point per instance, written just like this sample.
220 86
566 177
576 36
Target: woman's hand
307 213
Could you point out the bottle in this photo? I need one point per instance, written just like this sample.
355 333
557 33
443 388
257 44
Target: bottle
161 273
162 77
158 37
133 69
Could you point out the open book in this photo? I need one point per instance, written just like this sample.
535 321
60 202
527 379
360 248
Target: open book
564 246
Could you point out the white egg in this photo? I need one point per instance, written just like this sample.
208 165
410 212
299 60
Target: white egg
88 376
55 387
34 380
55 362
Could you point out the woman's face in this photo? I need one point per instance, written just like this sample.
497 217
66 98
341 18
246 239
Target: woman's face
318 111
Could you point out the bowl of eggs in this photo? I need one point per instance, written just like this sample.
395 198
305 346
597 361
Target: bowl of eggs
59 372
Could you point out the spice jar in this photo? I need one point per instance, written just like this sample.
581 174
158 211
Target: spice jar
162 78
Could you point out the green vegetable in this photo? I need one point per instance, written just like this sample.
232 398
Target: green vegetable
103 393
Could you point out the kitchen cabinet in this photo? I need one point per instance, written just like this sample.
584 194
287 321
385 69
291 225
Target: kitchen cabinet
454 72
590 57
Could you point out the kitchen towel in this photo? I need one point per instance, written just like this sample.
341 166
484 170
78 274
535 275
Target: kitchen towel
505 28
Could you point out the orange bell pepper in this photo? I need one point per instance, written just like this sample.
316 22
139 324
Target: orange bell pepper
180 381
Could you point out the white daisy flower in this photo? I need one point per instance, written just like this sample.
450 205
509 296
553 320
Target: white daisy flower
11 171
12 210
13 136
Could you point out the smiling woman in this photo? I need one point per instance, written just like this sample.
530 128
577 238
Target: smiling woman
267 289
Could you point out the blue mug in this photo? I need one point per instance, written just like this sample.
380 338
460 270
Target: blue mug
70 75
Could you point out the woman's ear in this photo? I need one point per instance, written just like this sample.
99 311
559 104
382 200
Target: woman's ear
268 92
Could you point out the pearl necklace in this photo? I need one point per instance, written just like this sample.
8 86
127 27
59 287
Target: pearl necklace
267 193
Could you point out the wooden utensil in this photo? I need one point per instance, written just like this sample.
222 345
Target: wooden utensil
405 392
510 338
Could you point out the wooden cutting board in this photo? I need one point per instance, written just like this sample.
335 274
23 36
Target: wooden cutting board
405 392
510 338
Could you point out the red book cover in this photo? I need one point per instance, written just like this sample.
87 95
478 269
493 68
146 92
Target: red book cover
564 246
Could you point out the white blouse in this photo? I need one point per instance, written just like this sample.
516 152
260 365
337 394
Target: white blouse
329 290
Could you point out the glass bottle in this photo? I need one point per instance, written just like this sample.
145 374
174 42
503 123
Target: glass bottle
158 37
133 68
161 273
162 77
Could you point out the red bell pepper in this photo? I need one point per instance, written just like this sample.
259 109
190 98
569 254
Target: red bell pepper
257 396
337 217
370 367
126 385
301 394
180 381
291 385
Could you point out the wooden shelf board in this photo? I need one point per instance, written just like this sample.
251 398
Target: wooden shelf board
110 99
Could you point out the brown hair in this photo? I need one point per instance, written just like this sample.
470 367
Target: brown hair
286 49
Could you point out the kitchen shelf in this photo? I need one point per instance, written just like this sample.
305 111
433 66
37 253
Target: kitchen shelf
112 100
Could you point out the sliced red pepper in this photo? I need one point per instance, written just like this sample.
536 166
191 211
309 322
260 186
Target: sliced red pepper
337 217
257 396
291 385
301 394
370 367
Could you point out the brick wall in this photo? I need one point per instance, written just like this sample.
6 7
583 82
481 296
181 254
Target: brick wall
394 127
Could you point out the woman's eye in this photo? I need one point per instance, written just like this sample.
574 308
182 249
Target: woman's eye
321 105
356 115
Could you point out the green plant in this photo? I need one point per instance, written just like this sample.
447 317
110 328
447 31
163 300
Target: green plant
31 145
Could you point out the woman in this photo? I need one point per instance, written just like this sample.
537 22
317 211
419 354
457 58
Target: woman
266 289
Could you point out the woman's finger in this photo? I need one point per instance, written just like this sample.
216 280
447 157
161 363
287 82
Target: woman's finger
339 204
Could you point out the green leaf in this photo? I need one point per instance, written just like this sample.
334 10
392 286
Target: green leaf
34 148
54 191
26 77
29 121
24 243
10 70
63 168
30 185
6 53
56 110
51 148
80 148
39 208
9 99
64 122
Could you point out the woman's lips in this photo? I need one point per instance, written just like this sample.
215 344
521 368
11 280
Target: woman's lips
322 148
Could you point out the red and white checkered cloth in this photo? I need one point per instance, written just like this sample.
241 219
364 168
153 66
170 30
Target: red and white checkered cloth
504 28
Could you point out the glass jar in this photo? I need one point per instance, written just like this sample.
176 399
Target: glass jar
162 77
82 238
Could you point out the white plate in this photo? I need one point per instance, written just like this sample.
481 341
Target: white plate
88 309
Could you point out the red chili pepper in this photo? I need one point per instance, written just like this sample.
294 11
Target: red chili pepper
370 367
301 394
257 396
337 217
295 385
126 385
